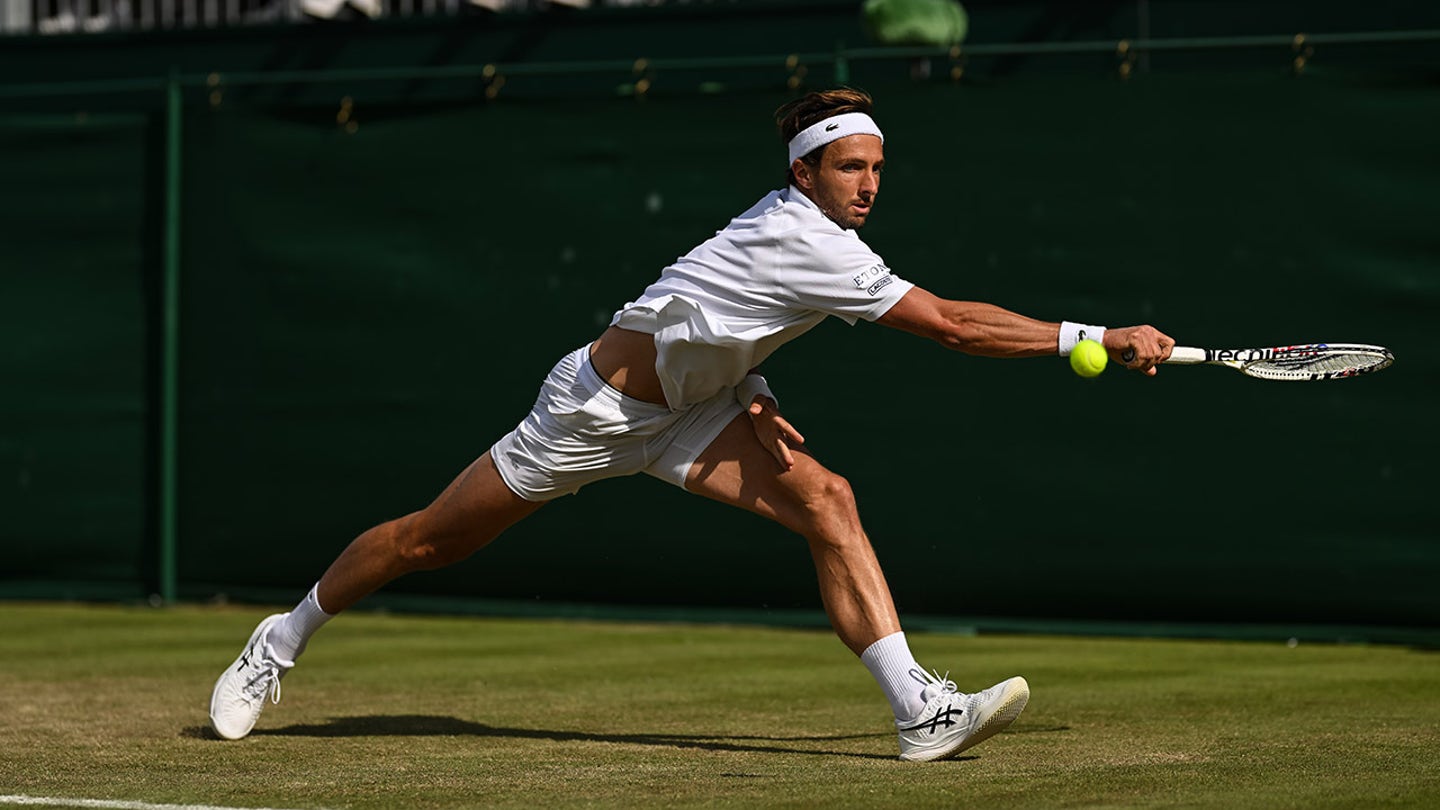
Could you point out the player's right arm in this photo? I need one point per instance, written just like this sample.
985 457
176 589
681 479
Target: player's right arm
977 328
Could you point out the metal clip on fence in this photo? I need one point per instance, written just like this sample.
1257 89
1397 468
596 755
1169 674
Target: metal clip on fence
1126 54
493 81
643 77
1303 50
797 71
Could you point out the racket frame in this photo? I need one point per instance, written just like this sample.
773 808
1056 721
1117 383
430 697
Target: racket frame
1260 362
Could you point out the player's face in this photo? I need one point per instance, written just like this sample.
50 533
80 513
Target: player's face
845 183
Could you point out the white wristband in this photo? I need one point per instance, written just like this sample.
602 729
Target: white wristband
1072 333
750 387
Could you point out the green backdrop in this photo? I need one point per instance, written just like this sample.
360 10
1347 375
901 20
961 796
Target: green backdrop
74 472
365 310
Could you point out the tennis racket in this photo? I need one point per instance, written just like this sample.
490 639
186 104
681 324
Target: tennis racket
1313 361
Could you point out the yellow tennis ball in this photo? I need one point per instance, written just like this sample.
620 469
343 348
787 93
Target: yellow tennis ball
1088 358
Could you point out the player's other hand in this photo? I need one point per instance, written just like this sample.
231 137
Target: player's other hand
775 434
1139 348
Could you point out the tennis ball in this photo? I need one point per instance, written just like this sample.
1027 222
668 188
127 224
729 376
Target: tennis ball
1088 358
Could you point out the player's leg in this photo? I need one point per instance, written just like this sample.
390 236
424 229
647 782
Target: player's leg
579 430
934 719
472 511
818 505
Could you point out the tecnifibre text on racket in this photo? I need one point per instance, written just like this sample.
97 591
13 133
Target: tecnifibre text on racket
1311 361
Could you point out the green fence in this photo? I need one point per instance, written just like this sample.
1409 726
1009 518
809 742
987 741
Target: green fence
370 291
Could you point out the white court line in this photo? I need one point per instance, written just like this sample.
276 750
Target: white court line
111 804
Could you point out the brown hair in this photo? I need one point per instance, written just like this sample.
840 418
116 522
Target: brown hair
811 108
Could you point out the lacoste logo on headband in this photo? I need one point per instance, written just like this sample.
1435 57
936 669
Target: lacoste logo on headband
832 127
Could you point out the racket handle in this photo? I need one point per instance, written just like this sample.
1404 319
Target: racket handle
1180 356
1186 356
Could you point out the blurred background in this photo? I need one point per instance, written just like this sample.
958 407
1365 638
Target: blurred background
273 271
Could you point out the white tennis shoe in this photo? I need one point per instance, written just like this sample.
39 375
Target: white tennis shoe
952 721
243 688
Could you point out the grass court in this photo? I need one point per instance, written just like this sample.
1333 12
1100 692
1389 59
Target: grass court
107 705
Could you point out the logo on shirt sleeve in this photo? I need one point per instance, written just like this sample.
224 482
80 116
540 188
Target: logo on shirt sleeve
873 280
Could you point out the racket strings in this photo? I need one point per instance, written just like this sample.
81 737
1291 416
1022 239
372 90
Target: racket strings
1309 365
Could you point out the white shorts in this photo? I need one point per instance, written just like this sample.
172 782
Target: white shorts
582 430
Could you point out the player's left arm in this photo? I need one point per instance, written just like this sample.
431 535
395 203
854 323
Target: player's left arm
774 431
974 327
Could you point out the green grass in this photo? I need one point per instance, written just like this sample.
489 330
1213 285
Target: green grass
423 712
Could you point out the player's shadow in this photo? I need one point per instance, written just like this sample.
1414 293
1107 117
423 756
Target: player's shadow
421 725
417 725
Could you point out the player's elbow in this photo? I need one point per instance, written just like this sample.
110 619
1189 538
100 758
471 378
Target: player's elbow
957 332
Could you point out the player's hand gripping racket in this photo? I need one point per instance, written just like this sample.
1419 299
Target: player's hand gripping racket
1314 361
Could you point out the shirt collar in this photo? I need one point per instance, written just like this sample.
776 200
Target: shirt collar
794 194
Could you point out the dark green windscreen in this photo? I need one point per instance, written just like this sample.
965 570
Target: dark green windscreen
365 309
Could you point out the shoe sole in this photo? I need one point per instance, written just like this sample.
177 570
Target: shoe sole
1011 703
215 692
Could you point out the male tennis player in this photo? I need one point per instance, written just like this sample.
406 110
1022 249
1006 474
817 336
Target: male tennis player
669 390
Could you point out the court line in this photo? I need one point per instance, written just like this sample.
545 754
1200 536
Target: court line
112 804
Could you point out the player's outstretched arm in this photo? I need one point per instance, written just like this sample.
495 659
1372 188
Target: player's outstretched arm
986 330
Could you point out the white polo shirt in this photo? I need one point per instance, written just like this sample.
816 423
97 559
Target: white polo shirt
771 275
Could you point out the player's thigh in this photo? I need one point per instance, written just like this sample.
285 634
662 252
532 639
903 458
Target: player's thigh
473 510
736 469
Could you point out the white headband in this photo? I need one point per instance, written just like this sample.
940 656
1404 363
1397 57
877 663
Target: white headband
832 129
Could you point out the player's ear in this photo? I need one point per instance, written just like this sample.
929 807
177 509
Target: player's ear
803 178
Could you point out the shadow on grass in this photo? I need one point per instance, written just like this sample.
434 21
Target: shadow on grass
414 725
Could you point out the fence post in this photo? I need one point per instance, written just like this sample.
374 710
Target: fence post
842 65
170 340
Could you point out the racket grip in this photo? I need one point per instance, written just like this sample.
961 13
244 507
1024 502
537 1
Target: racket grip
1187 356
1180 355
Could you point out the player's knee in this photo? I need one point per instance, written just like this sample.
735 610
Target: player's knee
837 494
829 500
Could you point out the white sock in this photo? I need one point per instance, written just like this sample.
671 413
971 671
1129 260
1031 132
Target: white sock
890 661
289 636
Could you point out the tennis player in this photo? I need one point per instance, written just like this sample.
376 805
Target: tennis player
670 390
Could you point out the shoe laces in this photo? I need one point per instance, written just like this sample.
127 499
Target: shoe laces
264 677
934 683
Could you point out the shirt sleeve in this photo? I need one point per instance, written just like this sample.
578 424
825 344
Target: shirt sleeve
839 275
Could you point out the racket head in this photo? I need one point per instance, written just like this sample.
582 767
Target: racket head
1319 361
